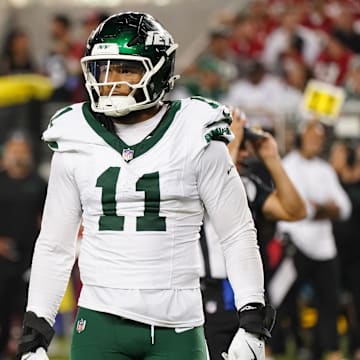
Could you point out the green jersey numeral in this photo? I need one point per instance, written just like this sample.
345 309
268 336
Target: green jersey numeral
151 221
149 183
107 181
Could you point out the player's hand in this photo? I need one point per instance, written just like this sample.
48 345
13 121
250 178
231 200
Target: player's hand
245 346
35 339
39 354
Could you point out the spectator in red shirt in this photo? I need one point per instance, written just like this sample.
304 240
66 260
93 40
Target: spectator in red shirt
315 16
332 64
245 40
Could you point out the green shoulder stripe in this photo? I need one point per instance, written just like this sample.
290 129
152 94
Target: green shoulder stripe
59 113
214 104
226 120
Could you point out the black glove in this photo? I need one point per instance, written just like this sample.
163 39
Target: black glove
257 319
37 332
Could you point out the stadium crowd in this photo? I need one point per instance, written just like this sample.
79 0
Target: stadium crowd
259 60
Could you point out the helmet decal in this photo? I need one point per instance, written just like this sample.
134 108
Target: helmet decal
158 38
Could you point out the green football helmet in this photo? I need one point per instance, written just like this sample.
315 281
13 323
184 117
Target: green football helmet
129 42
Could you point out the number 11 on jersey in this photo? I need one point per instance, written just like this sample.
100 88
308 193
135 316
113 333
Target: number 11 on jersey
149 184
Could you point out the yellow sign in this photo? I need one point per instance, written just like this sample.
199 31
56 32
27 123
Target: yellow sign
323 100
21 88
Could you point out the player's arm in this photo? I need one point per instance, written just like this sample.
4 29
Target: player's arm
224 198
225 201
54 256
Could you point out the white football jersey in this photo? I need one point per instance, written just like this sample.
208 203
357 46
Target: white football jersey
141 207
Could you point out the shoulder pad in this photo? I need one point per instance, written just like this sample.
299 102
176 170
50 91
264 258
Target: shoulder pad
68 130
215 118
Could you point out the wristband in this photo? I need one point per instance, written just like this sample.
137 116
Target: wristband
37 332
257 319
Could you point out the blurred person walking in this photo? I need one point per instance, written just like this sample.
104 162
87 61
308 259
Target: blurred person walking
22 194
316 254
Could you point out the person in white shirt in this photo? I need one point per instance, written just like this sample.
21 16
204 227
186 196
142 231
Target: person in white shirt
259 95
316 256
139 173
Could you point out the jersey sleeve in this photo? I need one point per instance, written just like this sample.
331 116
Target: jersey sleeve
214 119
55 248
56 132
225 202
219 128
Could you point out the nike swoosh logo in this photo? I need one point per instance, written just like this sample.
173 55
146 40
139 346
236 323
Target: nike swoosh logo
181 330
255 357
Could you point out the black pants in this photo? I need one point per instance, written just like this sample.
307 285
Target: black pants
12 298
323 276
350 280
220 324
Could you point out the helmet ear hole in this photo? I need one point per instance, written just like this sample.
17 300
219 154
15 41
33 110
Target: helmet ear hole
131 36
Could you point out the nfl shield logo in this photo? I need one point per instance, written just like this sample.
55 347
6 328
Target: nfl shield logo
80 325
128 154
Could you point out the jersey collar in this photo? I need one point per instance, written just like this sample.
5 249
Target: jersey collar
144 145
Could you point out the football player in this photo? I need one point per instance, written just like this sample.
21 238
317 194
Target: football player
139 173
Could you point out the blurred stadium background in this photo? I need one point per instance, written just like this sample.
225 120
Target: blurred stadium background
29 98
